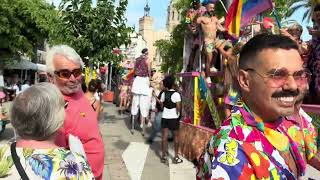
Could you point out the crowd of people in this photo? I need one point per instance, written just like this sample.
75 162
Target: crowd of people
156 104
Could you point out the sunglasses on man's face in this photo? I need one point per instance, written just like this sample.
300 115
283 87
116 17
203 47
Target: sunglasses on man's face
279 77
66 74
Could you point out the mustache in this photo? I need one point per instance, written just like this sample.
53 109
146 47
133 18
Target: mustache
287 93
212 13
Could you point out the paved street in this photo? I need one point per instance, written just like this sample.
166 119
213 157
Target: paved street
128 157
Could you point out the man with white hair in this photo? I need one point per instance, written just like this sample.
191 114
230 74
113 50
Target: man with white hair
64 68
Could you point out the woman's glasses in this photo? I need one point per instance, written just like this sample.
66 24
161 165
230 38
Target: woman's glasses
280 76
65 73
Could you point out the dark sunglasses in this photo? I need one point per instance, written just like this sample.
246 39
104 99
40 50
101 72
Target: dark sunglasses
65 73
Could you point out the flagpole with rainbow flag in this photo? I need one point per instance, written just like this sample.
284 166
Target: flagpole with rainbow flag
241 13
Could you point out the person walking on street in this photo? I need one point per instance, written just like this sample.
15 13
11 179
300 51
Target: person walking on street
171 101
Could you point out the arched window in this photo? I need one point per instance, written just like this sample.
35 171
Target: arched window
172 15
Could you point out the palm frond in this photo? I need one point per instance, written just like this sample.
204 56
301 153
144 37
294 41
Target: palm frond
305 15
293 2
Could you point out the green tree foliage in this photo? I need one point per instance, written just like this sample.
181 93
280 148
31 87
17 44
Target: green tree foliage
94 31
24 25
184 5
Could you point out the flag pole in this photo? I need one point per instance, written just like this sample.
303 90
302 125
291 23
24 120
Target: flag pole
275 13
224 7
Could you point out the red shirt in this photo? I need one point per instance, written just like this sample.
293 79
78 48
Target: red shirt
81 121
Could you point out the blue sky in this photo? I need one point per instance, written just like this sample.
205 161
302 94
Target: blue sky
159 13
135 11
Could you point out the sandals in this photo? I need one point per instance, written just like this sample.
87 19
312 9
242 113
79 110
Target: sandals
176 160
164 159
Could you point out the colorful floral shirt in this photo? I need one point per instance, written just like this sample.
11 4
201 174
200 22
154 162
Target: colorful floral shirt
245 147
303 133
57 163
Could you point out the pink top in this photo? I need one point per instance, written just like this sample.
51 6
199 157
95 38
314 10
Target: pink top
82 121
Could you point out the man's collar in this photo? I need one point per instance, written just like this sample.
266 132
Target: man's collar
252 119
74 96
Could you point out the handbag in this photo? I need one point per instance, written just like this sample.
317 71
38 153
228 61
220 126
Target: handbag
17 162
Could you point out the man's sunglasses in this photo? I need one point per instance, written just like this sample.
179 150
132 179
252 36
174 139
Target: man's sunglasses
65 73
279 77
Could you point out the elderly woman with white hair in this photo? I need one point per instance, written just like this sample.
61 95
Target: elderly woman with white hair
36 115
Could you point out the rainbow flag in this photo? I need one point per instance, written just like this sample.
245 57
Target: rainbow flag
241 12
129 75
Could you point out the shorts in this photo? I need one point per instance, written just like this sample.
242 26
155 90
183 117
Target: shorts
140 85
210 47
140 102
123 94
171 124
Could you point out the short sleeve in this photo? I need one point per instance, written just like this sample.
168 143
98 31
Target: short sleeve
162 97
176 97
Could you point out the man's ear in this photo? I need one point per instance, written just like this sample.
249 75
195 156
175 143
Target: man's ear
50 77
243 80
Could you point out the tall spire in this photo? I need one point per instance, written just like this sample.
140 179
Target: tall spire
147 9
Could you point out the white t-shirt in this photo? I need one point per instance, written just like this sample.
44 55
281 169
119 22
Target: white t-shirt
171 113
97 96
24 87
16 87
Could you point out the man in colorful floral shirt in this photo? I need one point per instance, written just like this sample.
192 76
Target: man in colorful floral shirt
253 143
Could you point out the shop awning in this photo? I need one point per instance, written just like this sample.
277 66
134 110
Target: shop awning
22 64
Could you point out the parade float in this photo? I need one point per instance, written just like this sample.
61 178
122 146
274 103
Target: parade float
203 106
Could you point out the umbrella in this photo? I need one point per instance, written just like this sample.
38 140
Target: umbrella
22 64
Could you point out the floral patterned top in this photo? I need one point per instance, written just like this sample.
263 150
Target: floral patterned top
141 67
250 149
303 133
57 163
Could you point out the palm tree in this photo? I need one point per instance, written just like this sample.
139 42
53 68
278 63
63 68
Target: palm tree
307 5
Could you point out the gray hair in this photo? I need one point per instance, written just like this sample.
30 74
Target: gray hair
65 51
295 26
38 112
